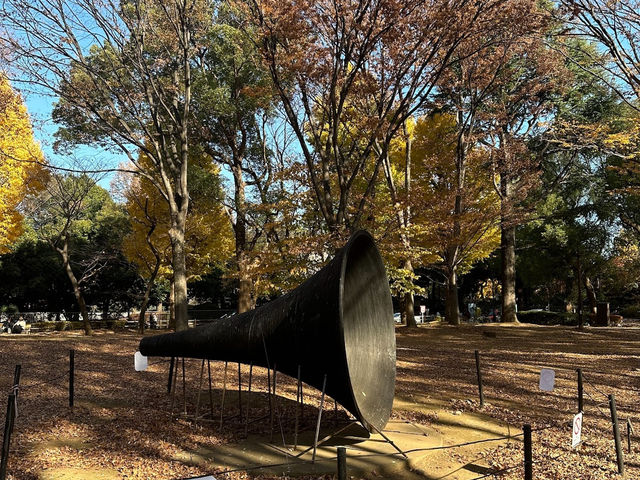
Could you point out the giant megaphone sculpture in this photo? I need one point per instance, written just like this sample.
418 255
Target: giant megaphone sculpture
339 323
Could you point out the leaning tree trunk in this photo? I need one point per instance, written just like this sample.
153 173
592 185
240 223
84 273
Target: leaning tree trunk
77 291
145 298
451 310
508 253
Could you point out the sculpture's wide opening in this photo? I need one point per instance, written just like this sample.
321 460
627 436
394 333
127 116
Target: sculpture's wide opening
369 333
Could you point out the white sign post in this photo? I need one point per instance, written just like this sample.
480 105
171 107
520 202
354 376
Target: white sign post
576 433
547 379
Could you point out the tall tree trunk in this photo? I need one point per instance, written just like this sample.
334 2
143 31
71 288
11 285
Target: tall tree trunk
508 254
77 291
451 310
172 305
579 285
407 304
591 295
245 284
179 264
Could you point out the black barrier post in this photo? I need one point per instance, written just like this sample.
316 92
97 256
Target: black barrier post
629 432
616 433
6 439
528 455
171 365
479 372
580 392
72 371
16 377
342 463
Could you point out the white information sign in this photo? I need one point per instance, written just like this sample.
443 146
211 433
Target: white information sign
547 379
423 309
140 362
577 431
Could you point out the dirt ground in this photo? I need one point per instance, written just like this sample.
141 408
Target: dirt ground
120 425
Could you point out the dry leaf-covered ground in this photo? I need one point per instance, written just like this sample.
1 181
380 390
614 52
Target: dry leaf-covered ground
119 426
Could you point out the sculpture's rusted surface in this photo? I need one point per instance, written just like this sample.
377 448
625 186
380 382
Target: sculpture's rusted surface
338 323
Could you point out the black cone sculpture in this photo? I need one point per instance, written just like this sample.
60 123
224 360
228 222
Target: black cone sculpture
338 323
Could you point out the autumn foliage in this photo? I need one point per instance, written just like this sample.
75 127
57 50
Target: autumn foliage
21 162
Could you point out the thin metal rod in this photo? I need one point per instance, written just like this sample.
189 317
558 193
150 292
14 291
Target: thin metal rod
171 366
320 442
239 390
210 390
389 441
315 441
184 387
224 391
295 430
479 374
199 392
246 423
174 387
271 401
580 392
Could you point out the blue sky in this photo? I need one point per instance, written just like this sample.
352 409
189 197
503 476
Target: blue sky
40 108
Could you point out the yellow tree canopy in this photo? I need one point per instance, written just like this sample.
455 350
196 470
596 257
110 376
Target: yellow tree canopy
475 230
208 238
21 171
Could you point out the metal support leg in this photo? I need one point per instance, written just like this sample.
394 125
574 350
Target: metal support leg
239 390
315 441
224 391
184 387
295 431
174 387
390 442
246 423
199 391
210 390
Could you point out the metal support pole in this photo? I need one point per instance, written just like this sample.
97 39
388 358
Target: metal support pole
479 373
224 391
580 392
199 392
315 441
210 390
72 372
6 439
174 387
528 455
171 366
629 432
239 391
184 387
246 423
616 433
295 430
342 463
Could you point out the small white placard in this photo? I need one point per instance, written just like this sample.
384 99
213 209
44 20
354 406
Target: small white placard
577 430
423 309
140 362
547 379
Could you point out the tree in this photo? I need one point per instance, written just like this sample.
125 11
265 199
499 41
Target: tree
234 100
457 222
80 221
513 116
21 172
349 74
148 244
123 74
